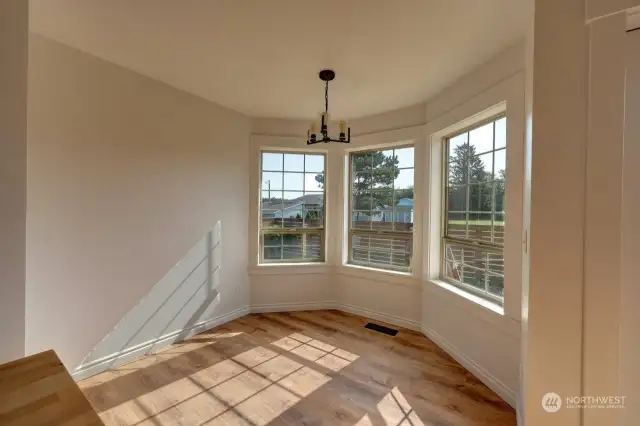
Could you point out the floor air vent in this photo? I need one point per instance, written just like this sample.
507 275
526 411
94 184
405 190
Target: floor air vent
381 329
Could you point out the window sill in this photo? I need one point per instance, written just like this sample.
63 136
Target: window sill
289 268
375 274
492 306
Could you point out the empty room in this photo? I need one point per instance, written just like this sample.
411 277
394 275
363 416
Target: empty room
305 213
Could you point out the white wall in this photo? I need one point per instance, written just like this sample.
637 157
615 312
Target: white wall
487 342
629 338
126 178
14 28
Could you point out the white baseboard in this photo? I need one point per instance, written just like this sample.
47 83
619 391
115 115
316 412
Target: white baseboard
504 392
368 313
129 354
291 307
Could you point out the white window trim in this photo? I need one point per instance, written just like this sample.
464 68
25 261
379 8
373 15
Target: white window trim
410 136
462 117
349 216
284 144
300 231
444 237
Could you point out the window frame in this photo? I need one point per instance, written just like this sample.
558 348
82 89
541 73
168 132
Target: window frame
291 231
466 243
407 235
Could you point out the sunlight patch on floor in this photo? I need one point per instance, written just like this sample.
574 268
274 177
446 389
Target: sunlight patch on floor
250 388
396 411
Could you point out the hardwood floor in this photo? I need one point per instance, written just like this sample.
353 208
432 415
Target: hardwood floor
300 368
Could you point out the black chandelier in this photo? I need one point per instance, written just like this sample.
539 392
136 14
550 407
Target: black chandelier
312 137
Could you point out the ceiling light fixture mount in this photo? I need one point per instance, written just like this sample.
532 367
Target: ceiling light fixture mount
312 137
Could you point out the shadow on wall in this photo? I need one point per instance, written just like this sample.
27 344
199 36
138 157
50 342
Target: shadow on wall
172 310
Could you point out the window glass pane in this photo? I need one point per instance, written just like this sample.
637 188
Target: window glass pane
496 285
474 209
498 228
272 253
291 214
453 271
404 179
312 244
458 170
382 200
480 197
484 172
271 206
313 216
499 205
383 160
501 133
361 220
292 246
457 198
479 227
474 277
271 161
457 225
362 200
294 162
314 163
385 251
403 212
291 196
495 263
313 181
360 249
271 180
361 161
362 180
458 148
475 267
293 181
291 201
382 219
481 139
272 240
383 178
404 157
500 164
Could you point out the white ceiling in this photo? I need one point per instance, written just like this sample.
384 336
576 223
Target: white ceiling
261 57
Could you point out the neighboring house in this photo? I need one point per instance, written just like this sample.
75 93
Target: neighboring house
403 213
292 209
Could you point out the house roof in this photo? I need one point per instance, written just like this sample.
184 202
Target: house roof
313 199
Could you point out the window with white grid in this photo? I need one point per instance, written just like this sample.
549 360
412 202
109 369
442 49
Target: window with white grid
292 207
474 209
381 208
